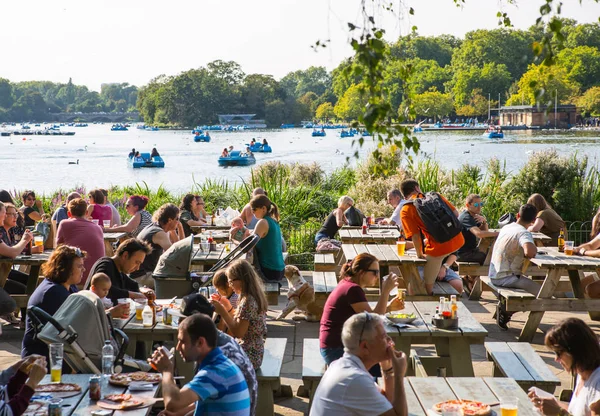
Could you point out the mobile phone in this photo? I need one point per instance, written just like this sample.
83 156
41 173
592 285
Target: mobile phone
542 252
25 256
101 412
540 393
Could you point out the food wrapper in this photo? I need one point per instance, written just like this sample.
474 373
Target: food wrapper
140 386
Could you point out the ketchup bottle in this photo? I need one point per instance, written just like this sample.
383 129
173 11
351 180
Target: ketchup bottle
364 226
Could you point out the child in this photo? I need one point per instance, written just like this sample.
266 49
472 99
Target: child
238 231
225 295
100 285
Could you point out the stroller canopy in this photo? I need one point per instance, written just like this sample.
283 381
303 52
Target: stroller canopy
175 262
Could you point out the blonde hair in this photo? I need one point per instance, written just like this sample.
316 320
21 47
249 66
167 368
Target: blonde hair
538 201
100 278
251 284
345 200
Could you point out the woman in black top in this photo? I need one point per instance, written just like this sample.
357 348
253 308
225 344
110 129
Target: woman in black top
335 220
31 214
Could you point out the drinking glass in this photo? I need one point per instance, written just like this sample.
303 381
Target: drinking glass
139 308
56 362
38 240
106 223
509 406
95 221
126 312
451 410
569 247
205 246
401 246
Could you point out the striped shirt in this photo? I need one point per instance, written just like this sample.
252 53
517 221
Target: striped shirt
220 386
145 220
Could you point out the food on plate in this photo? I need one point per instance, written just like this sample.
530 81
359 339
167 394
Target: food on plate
124 379
117 397
401 315
36 409
56 387
123 405
469 407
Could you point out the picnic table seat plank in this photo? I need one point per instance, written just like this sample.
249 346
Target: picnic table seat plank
533 363
313 367
330 281
471 388
324 262
505 363
319 282
268 375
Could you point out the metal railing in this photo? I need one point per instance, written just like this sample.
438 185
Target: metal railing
579 231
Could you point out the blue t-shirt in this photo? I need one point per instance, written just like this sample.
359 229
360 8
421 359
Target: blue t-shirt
60 214
220 386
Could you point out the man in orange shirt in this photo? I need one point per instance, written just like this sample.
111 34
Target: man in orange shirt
414 228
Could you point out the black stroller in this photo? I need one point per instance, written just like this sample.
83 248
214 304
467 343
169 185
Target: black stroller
172 275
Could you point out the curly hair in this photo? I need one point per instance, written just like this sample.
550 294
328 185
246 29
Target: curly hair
186 203
59 266
27 194
360 263
251 284
165 213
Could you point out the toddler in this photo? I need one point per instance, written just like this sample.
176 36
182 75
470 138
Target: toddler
100 285
238 231
225 295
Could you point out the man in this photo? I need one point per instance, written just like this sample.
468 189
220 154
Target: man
127 259
394 197
77 231
61 212
116 217
166 220
414 228
590 249
513 245
196 303
218 388
475 227
347 388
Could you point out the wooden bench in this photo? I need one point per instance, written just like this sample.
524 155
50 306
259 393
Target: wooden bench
508 293
272 292
269 375
323 283
518 360
313 367
417 365
325 263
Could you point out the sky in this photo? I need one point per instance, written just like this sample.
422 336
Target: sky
95 42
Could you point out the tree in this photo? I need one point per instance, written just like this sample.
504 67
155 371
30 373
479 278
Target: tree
434 48
477 106
540 84
325 112
589 102
427 75
229 71
352 103
432 104
6 96
586 34
491 79
257 90
309 104
582 64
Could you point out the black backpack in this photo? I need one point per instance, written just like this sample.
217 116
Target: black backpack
354 216
440 221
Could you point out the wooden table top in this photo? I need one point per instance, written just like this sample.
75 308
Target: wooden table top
108 236
209 257
352 235
199 228
218 235
556 260
422 393
536 235
386 254
33 260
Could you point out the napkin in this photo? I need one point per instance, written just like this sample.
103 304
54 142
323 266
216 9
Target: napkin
140 386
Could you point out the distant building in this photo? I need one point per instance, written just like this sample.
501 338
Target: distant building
533 116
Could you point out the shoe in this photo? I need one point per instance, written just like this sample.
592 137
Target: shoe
502 317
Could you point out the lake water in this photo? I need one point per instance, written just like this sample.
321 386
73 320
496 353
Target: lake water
42 162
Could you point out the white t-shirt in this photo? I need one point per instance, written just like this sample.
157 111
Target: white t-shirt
589 393
396 215
508 254
347 388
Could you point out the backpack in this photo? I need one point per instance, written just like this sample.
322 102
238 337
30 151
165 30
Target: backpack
354 216
439 220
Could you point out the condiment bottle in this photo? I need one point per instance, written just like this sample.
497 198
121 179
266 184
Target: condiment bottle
148 315
453 307
561 241
211 242
364 226
372 219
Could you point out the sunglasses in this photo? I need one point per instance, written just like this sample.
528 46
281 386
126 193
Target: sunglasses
478 204
374 271
12 214
231 281
367 319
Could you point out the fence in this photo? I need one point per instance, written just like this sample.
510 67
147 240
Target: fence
579 231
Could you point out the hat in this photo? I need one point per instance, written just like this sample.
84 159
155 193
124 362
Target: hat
195 303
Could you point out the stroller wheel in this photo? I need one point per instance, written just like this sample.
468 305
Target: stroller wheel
196 285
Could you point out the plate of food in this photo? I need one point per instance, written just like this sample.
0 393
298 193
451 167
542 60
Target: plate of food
59 390
123 379
119 402
401 318
36 408
469 407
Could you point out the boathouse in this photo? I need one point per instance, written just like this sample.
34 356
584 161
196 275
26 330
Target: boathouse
241 120
541 117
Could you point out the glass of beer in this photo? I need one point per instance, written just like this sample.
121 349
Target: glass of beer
126 312
401 246
38 240
95 221
56 362
569 247
139 307
509 406
106 223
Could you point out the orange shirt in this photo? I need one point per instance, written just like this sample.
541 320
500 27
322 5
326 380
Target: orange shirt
412 224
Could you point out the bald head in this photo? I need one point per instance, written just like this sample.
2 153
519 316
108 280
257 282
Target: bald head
72 196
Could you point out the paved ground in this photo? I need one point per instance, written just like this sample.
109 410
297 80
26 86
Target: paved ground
295 332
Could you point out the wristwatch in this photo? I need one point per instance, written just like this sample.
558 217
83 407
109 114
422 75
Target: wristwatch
582 251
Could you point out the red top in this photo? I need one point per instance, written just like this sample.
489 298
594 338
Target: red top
101 213
337 310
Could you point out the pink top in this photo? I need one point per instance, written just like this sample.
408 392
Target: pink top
79 232
101 213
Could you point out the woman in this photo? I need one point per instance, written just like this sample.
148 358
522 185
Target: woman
348 298
268 249
225 153
97 210
578 352
19 229
187 215
154 153
30 214
335 220
548 221
249 323
18 383
591 249
63 271
140 218
200 212
247 214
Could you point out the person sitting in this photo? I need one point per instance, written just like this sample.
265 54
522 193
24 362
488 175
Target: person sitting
269 250
140 218
18 383
165 220
474 226
247 214
199 211
248 152
61 212
63 271
187 216
116 217
138 157
225 153
547 222
591 249
252 142
230 149
249 323
154 153
32 209
513 245
335 220
348 389
97 210
394 198
349 298
11 248
265 143
127 259
238 231
577 350
447 274
79 232
224 289
100 285
132 153
219 387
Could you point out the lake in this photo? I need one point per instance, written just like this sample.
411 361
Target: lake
42 162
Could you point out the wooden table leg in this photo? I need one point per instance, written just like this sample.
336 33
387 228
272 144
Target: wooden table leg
108 249
4 271
477 288
413 280
34 274
594 315
404 344
534 319
460 355
265 404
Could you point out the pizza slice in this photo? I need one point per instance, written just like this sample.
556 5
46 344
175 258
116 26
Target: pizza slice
117 397
57 387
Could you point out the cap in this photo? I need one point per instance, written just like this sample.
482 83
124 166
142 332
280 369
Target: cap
195 303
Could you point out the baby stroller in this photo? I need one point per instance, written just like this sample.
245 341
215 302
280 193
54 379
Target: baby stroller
172 275
82 326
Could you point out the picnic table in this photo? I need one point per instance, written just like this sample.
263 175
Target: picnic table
555 265
453 346
197 229
374 235
209 258
220 236
422 393
35 262
110 239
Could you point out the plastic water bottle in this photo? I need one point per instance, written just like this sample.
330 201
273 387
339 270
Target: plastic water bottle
108 356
